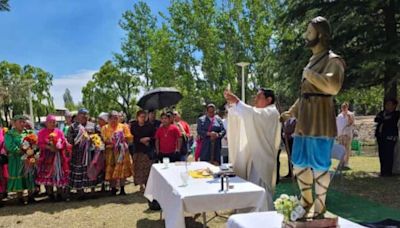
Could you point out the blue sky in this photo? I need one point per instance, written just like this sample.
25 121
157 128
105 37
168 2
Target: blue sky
69 38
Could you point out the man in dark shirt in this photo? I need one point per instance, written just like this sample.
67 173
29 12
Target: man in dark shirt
386 134
151 118
287 137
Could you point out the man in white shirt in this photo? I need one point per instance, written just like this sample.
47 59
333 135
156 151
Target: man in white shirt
254 138
345 127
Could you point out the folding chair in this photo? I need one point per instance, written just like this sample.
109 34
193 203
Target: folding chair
338 153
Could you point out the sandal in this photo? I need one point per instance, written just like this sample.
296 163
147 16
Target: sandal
319 195
307 187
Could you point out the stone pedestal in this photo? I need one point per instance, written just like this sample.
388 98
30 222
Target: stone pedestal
330 221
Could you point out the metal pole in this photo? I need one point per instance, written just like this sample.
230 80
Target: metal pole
243 65
204 220
243 92
30 103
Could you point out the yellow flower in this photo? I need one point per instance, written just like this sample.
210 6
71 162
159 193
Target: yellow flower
96 140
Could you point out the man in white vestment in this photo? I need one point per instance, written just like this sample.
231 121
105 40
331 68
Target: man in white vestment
254 138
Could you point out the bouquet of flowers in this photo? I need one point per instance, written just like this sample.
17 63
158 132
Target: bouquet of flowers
97 163
30 157
29 143
289 207
55 141
60 144
97 143
120 145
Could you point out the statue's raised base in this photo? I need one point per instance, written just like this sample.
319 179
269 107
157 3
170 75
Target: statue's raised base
330 221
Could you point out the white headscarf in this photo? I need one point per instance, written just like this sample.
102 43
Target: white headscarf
103 116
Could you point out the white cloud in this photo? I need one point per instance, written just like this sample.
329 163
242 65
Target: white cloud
74 82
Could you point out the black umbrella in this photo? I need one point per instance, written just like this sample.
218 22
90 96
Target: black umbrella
159 98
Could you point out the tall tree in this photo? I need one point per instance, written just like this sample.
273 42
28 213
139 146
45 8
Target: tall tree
4 6
391 22
181 23
41 81
111 88
365 33
231 47
68 100
17 81
13 91
139 25
197 46
163 59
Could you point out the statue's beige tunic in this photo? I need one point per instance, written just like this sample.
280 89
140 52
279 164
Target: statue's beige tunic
316 114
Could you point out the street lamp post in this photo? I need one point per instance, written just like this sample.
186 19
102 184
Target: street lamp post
243 65
29 83
30 104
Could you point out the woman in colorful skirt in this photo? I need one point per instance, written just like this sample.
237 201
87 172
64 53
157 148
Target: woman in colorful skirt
118 164
79 136
18 179
53 165
3 167
144 146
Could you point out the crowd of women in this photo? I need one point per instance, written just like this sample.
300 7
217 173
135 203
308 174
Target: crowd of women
89 154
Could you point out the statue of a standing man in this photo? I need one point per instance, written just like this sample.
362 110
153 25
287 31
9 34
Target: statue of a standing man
315 112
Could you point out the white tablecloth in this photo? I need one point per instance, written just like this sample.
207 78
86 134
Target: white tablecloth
270 219
200 195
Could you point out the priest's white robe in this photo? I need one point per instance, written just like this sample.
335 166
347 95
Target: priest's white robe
254 136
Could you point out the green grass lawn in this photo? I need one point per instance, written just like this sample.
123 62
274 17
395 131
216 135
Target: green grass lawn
360 195
350 206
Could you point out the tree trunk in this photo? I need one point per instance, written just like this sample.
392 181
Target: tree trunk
390 81
390 85
128 113
6 115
